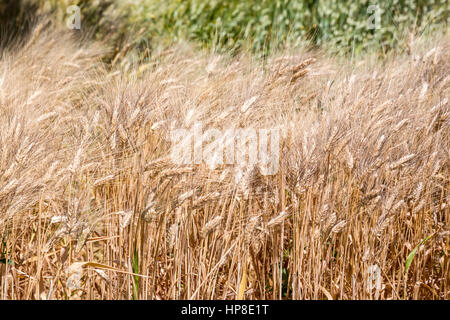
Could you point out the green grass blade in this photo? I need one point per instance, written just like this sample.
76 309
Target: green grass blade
410 257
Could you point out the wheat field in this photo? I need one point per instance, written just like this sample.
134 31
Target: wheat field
92 207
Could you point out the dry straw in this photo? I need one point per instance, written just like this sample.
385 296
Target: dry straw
86 175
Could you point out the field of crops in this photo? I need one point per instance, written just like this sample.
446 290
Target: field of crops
93 204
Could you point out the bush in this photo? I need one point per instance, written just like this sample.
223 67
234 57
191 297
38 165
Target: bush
266 24
260 25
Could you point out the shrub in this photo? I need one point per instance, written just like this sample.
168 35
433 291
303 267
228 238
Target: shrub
266 24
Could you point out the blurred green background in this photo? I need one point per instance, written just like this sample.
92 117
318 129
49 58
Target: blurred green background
260 26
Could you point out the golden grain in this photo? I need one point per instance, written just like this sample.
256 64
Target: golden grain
86 173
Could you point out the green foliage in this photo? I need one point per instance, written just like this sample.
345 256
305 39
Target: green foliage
412 254
265 24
